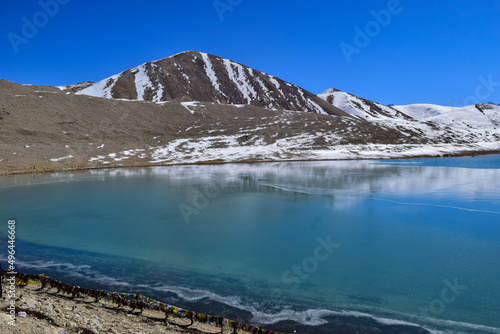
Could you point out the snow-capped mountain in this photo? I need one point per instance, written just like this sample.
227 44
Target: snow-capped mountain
480 122
198 76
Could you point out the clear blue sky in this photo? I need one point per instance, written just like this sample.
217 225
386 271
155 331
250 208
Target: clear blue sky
429 52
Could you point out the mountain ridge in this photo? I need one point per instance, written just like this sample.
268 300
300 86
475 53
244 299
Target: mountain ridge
199 108
199 76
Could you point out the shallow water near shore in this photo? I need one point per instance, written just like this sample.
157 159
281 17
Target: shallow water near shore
372 243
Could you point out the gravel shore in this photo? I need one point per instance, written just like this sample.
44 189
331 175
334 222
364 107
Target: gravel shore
50 312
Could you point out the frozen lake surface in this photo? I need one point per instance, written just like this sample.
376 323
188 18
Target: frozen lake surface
371 242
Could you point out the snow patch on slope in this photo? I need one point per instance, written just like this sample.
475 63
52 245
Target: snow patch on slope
464 118
228 149
191 105
356 106
142 81
275 82
237 75
209 70
102 88
341 100
62 158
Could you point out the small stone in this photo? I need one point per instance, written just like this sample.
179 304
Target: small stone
95 323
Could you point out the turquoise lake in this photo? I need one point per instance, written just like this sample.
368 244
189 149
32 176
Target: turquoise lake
283 245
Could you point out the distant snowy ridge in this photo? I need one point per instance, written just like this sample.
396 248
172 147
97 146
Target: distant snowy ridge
198 76
472 124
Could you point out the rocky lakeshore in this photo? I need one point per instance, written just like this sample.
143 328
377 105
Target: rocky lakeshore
50 312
